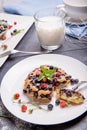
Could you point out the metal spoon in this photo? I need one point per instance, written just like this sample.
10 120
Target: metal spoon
9 52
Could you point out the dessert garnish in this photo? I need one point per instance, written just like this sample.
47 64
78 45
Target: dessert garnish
46 73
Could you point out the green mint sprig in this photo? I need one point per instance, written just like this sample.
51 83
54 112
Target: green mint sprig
46 73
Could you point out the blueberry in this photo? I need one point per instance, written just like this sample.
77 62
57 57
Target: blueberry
36 94
68 77
72 81
57 102
28 86
56 68
51 67
76 81
68 94
50 107
15 30
48 96
24 91
42 95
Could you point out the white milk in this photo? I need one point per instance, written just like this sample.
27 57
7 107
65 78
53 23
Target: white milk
50 30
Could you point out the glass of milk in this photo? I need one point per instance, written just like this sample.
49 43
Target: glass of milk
50 28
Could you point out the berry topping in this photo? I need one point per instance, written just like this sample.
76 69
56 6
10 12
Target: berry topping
50 107
23 108
43 85
55 79
58 74
38 73
44 80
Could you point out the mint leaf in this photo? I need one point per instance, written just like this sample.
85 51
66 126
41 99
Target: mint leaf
41 77
47 73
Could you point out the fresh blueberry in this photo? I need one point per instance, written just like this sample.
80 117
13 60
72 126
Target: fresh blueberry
36 94
50 107
51 67
57 102
76 81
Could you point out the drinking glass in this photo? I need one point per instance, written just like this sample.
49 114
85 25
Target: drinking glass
50 28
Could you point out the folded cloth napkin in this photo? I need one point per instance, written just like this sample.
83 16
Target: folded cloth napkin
29 7
76 31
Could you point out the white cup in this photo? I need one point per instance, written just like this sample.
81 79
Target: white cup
50 28
76 9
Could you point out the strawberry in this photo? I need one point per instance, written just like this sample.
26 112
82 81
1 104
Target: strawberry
15 23
44 80
43 85
10 26
58 74
55 79
38 73
23 108
63 104
3 37
4 46
16 96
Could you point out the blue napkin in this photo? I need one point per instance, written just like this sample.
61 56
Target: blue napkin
29 7
76 31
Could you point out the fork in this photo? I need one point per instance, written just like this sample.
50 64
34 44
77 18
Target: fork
78 85
10 52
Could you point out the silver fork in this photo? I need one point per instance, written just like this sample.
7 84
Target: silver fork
9 52
78 85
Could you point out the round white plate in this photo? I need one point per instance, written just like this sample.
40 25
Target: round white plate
13 82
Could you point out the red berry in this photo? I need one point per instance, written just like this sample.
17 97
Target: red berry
4 46
58 74
23 108
10 26
15 23
55 79
38 73
3 37
63 104
44 80
43 85
16 96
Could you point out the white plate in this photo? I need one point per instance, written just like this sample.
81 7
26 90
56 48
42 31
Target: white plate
14 79
23 22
